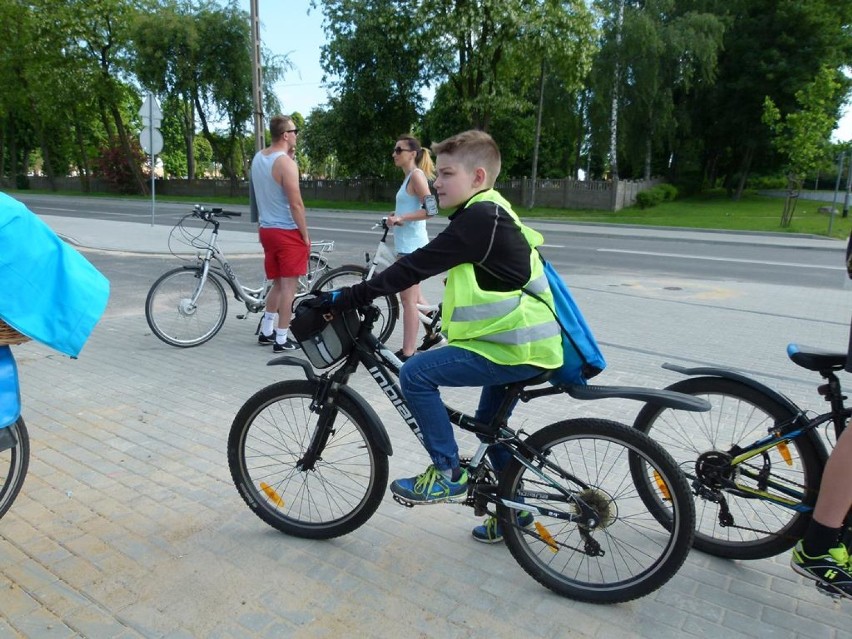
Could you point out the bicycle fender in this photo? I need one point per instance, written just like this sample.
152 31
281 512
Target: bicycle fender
667 398
711 371
778 398
289 360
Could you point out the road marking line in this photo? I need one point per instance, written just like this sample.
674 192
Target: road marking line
722 259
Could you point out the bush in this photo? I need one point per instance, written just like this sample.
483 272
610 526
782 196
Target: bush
669 191
22 182
649 198
762 183
112 166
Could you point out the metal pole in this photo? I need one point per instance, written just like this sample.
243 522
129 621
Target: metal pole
848 186
256 85
151 146
840 158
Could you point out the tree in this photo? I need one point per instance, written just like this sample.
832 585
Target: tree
376 55
771 48
803 136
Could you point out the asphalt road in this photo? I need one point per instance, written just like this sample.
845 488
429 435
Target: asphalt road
752 258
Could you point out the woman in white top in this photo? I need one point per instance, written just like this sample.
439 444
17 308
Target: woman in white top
409 229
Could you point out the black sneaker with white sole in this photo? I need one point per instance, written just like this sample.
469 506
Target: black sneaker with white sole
288 345
266 340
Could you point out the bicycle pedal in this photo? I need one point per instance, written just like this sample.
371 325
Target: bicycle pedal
403 502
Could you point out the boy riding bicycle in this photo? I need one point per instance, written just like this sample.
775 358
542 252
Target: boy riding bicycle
497 334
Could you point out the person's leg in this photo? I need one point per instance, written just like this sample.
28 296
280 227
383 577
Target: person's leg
420 379
410 319
287 287
270 266
820 555
490 531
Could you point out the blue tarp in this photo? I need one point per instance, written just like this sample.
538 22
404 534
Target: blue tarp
48 291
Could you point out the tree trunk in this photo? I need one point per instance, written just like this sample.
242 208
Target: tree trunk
616 84
125 145
188 123
537 141
794 185
648 145
84 172
745 167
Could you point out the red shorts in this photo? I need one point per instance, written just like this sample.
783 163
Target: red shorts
285 253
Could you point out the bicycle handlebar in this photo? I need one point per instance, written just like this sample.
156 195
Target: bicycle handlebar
208 214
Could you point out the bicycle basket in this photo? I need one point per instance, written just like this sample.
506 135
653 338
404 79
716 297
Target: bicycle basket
325 338
9 336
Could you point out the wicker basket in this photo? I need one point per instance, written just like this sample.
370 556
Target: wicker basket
9 336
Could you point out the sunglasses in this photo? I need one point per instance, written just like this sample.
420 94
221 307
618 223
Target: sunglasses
296 131
397 150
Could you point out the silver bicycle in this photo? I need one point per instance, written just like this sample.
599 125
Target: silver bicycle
187 306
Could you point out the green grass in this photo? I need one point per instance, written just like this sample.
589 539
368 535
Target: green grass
716 211
707 211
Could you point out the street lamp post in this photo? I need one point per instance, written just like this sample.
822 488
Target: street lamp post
256 84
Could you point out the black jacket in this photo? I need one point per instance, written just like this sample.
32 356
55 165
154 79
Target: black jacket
482 234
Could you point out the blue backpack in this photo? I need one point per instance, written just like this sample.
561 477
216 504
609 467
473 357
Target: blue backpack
582 359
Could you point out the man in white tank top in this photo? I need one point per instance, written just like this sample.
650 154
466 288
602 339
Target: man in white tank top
283 229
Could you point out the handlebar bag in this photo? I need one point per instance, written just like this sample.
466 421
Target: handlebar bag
51 293
325 338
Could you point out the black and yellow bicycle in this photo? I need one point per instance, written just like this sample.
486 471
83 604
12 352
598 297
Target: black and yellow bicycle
755 460
310 458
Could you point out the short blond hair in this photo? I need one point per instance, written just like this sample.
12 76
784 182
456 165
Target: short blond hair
473 149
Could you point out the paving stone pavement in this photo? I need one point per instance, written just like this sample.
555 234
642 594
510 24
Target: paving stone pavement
129 525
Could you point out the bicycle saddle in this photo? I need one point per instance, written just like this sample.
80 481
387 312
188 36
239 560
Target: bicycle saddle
816 359
10 397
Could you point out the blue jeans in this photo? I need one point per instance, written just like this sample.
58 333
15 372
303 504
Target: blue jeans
420 378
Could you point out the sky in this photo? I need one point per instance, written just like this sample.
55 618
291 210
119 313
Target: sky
294 29
286 28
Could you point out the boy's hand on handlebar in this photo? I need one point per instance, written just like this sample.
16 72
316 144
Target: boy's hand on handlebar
324 301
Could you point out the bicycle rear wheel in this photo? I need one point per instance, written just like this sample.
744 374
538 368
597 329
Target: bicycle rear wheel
351 274
747 527
172 316
267 444
317 267
586 462
14 462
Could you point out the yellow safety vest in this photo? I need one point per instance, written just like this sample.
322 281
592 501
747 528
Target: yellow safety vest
506 327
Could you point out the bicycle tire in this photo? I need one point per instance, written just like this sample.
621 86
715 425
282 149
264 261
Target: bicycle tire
740 415
350 274
269 436
592 456
13 466
169 315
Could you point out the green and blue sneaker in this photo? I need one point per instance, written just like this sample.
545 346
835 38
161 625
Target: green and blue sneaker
491 532
832 570
430 487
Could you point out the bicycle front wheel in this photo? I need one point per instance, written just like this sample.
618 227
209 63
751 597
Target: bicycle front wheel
583 464
172 315
352 274
266 450
14 462
734 523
